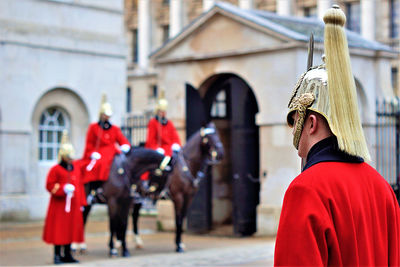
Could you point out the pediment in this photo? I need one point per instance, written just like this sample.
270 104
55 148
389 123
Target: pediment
219 35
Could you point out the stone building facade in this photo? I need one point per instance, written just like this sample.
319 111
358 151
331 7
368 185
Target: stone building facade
56 58
244 61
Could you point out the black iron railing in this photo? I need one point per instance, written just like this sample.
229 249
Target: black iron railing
134 127
388 141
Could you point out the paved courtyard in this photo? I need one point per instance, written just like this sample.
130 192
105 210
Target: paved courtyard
21 245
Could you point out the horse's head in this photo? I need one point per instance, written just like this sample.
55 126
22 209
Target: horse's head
211 145
140 160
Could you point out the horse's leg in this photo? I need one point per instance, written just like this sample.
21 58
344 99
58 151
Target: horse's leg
135 219
85 213
112 215
122 225
178 203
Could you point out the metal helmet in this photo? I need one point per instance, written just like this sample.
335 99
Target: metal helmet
105 107
329 90
66 149
162 103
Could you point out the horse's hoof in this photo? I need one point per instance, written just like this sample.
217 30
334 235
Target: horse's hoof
139 242
125 253
113 253
83 248
180 250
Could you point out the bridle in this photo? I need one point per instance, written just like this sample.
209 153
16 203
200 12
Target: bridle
211 150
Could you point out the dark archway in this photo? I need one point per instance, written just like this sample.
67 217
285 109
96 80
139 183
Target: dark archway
231 194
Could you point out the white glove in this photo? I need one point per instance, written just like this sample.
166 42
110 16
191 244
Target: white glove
69 188
160 150
175 147
95 155
125 148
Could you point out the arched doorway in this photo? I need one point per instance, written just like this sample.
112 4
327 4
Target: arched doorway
230 195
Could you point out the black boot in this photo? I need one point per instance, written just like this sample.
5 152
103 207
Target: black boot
67 255
57 255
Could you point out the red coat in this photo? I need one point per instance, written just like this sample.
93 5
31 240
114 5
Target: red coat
337 214
60 227
163 136
104 142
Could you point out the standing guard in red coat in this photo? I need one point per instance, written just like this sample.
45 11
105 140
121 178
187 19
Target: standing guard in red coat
64 221
339 211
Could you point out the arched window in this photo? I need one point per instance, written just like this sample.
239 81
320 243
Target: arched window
219 108
52 122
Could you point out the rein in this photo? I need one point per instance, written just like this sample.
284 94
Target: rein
187 173
201 173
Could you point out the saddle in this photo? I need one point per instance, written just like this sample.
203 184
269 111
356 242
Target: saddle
156 186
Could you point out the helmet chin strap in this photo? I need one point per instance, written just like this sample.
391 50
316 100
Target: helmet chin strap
301 104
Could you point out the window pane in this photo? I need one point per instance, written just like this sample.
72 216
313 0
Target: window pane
222 109
49 153
61 119
40 136
59 135
49 137
42 119
51 111
221 96
40 154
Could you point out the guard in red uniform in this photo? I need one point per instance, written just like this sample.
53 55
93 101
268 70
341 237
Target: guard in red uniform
339 211
161 133
101 140
64 221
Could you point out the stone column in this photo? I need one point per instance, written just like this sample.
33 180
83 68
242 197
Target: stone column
246 4
368 20
175 17
207 4
144 16
284 7
322 7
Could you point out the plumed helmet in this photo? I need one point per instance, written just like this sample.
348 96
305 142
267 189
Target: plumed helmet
329 89
105 107
66 149
162 103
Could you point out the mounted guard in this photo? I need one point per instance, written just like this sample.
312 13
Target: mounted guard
100 149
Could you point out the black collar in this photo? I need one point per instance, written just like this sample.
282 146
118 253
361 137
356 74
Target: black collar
65 165
104 124
162 120
327 150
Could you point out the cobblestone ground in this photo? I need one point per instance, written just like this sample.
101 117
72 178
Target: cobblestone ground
21 245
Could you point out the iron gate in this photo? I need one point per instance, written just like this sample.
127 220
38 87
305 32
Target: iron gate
388 142
134 127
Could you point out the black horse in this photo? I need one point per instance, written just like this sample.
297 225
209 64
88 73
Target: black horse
203 148
116 191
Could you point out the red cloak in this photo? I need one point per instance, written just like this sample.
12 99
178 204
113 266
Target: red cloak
104 142
62 228
336 214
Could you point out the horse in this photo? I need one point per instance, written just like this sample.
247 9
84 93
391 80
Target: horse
203 148
124 173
